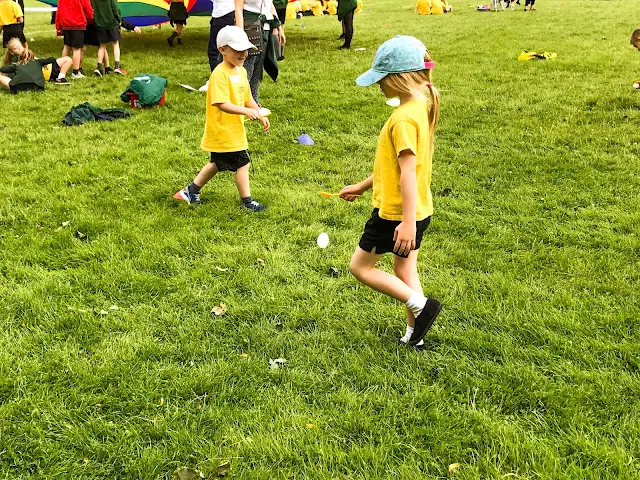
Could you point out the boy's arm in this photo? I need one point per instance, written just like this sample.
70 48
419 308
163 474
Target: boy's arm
405 234
231 108
88 10
255 108
116 10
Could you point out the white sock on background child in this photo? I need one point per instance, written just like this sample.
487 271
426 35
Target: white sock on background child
416 303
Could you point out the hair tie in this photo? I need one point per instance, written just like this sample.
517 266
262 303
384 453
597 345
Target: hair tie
429 65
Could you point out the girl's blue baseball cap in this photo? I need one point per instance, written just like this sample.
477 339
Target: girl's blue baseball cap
398 55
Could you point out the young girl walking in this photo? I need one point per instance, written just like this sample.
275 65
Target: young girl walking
401 182
28 72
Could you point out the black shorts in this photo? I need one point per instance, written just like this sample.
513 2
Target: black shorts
55 71
73 38
91 36
108 36
378 234
24 87
282 14
230 161
12 31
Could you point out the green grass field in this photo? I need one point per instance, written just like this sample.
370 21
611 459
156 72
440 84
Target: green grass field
532 370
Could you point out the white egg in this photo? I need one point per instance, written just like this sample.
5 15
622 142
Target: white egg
323 240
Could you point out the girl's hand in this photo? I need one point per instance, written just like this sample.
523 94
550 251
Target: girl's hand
281 37
137 30
405 238
351 192
265 123
252 113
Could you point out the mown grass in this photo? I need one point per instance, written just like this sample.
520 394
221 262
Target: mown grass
532 369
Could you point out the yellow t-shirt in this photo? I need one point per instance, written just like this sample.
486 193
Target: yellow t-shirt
437 8
424 7
406 129
224 132
10 11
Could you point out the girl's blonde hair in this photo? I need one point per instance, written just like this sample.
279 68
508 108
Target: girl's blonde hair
418 83
26 56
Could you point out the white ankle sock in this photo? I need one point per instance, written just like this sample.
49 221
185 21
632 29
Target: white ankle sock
416 303
407 335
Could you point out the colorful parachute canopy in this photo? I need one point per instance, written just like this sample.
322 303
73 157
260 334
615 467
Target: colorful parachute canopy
150 12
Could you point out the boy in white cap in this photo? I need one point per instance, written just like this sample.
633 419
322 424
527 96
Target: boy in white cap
229 100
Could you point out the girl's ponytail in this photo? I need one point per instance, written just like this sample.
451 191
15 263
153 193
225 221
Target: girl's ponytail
433 111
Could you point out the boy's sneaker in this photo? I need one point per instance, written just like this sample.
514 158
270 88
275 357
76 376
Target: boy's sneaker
120 71
179 41
425 320
108 70
190 198
97 72
61 81
77 76
253 206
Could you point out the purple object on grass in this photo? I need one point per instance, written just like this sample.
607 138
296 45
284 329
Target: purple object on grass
305 139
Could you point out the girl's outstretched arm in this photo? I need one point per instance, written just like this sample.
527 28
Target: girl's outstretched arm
352 192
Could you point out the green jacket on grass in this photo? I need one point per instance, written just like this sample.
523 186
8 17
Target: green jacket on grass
149 89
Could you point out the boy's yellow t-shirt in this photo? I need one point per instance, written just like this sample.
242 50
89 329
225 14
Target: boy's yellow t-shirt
406 129
10 11
224 132
424 7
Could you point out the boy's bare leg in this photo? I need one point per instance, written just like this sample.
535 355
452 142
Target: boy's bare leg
4 81
116 52
65 51
242 181
64 63
77 58
206 174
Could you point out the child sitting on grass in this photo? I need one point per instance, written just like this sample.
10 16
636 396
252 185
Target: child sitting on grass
229 99
401 182
27 73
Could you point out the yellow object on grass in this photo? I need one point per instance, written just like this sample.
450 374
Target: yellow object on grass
333 7
305 5
524 56
360 6
46 72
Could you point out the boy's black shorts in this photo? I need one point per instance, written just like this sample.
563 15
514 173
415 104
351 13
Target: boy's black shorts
108 36
230 161
378 234
73 38
12 31
91 35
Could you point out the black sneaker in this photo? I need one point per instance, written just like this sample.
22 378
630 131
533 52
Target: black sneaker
108 71
254 206
419 348
179 41
97 72
425 320
61 81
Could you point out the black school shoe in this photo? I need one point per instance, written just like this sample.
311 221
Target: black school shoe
425 320
419 348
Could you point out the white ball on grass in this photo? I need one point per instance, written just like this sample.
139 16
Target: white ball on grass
323 240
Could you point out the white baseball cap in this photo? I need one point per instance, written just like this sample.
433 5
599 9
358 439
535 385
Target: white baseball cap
235 37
